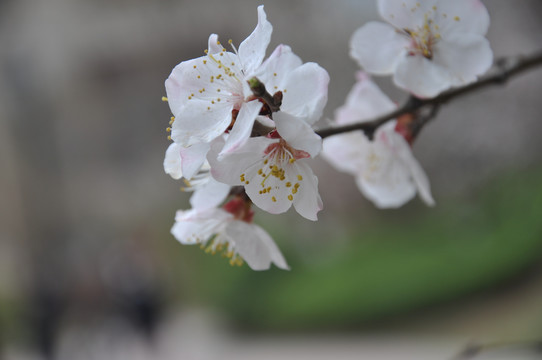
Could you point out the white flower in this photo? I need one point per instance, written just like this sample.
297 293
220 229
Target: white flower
210 95
274 169
229 231
386 171
430 46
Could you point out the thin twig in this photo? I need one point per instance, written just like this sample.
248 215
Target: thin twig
504 69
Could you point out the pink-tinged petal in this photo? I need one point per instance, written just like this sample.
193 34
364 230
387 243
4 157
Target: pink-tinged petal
275 70
364 102
378 47
229 169
213 45
199 123
195 226
252 49
297 133
172 161
254 245
192 158
242 128
346 152
466 56
305 92
209 195
422 77
307 201
405 14
462 16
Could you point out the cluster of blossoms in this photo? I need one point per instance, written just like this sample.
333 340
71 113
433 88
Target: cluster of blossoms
242 126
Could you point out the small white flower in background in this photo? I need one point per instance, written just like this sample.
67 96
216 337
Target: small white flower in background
229 231
274 169
385 169
428 45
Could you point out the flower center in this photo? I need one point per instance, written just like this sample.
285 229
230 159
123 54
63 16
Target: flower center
278 171
424 38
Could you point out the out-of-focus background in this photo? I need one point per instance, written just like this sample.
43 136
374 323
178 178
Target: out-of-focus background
88 269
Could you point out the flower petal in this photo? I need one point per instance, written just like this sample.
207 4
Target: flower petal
242 128
269 192
364 102
346 152
229 169
298 133
213 44
172 161
307 201
199 123
275 70
276 255
390 191
462 16
209 195
422 77
405 14
465 55
378 47
195 226
192 158
254 245
305 92
252 49
417 173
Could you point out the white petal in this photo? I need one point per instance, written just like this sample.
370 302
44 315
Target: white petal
198 123
307 201
275 70
193 158
195 226
378 47
275 198
213 46
254 245
405 14
229 169
209 195
202 93
364 102
422 77
417 174
305 92
346 152
276 255
391 191
252 49
298 133
463 16
465 55
242 128
195 79
172 161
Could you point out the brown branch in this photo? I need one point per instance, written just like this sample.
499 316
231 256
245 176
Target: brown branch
504 69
